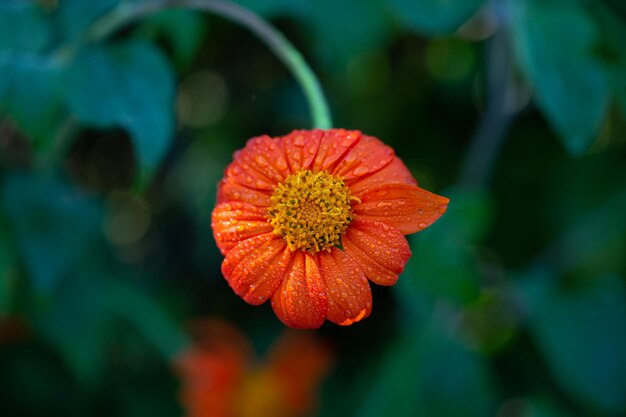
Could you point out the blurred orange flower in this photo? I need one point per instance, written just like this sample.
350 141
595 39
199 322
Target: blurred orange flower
219 379
308 218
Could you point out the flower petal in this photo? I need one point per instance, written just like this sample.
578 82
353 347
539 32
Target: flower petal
348 292
255 267
260 165
300 147
393 173
334 144
230 190
300 301
235 221
380 250
406 207
368 156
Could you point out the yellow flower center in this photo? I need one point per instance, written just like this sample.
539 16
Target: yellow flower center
311 211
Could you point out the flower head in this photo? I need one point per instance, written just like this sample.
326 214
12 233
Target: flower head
310 218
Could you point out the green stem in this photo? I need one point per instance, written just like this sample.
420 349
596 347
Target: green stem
279 45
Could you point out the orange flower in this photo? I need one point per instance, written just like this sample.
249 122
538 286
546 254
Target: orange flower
212 369
308 218
218 378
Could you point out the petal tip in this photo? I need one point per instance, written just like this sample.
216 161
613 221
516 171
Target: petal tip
362 314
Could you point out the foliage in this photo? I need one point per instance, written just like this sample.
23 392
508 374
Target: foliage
115 125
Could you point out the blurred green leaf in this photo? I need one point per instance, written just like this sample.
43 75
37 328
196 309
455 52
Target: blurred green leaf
31 94
453 380
29 84
184 31
613 31
23 28
543 408
75 16
81 320
490 322
444 256
594 241
582 333
8 271
430 374
395 384
555 42
277 8
129 85
434 17
621 100
340 32
75 324
147 317
55 227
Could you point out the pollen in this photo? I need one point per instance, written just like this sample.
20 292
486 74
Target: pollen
311 210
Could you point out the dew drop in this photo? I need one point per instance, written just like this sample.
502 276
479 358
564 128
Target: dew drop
281 164
299 141
362 170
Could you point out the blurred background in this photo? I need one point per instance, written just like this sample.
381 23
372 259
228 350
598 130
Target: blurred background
116 124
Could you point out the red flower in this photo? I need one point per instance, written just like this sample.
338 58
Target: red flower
308 218
220 379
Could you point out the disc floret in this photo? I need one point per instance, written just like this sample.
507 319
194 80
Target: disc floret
311 210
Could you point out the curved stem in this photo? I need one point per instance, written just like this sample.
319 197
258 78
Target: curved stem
279 45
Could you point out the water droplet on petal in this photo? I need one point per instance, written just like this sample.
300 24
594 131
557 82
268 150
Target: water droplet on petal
281 164
299 141
382 193
362 170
